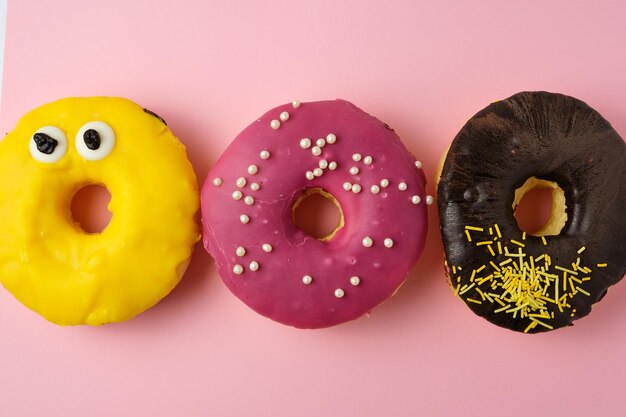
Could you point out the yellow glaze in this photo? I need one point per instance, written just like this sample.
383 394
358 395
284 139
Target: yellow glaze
65 274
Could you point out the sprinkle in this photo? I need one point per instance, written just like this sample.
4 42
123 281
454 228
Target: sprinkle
316 150
249 200
347 186
309 175
356 188
244 218
264 154
318 172
491 251
339 293
418 164
524 236
307 279
384 183
476 229
356 157
331 138
274 124
416 199
542 323
255 186
515 242
217 181
237 195
388 243
583 291
295 104
333 165
375 189
355 280
267 247
498 230
601 265
543 239
471 300
254 266
238 269
241 251
284 116
241 182
305 143
323 164
367 160
320 142
469 237
402 186
354 170
429 200
367 242
253 169
484 242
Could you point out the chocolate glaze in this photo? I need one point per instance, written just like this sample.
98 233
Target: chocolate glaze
552 137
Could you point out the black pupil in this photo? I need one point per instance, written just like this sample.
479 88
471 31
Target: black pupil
45 144
92 139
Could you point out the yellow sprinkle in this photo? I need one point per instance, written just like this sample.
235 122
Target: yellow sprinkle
474 228
469 238
524 236
471 300
499 248
601 265
581 250
490 231
482 294
453 270
543 239
517 243
531 326
498 230
498 300
569 271
480 269
486 242
494 266
583 291
585 279
542 323
502 308
491 250
456 292
469 287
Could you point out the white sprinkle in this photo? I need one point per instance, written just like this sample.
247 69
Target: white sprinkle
332 166
320 142
347 186
253 169
402 186
237 195
307 279
339 293
267 247
356 157
305 143
323 164
255 186
368 242
238 269
354 170
274 124
318 172
254 266
264 154
284 116
355 280
309 175
429 200
375 189
217 181
356 188
295 104
331 138
416 199
418 164
367 160
249 200
388 243
244 218
241 251
384 183
241 182
316 150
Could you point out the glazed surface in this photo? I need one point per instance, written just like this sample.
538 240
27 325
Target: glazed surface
72 277
555 138
306 282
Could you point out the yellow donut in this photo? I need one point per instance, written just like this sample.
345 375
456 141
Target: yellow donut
47 261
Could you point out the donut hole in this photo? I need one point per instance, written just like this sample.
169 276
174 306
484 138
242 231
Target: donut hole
539 207
89 208
317 213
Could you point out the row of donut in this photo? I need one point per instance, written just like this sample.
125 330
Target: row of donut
525 282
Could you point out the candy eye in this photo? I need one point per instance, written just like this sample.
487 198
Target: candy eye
48 144
95 140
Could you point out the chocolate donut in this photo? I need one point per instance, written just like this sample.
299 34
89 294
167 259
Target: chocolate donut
534 283
335 149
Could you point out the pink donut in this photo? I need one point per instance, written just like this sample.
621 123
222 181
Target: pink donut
276 268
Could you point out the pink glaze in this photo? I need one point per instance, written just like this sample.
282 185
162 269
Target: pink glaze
276 290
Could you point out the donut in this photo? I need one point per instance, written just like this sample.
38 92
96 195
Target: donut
337 150
542 281
47 261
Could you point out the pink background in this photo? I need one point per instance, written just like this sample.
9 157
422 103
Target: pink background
210 68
